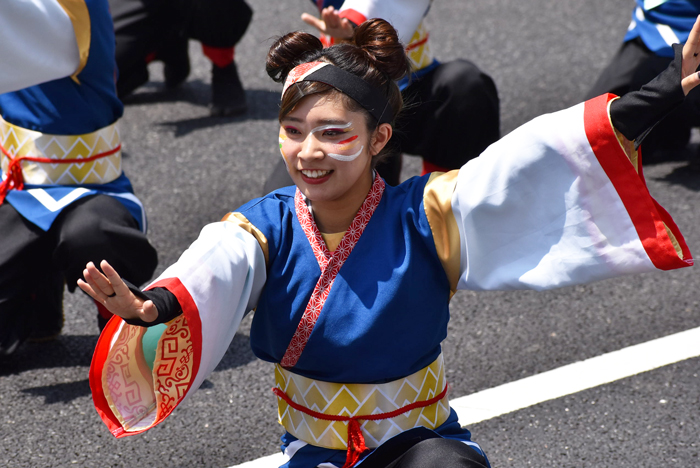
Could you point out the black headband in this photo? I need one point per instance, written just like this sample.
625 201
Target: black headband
368 97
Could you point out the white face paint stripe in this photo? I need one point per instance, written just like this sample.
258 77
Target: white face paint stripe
327 127
340 157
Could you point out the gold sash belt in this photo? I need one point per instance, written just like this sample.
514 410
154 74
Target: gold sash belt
417 400
32 149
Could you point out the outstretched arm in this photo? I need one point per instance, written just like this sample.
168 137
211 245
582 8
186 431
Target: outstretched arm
111 291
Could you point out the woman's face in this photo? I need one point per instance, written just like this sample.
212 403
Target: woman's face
327 149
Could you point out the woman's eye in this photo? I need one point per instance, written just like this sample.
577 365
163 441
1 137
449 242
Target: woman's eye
292 131
332 133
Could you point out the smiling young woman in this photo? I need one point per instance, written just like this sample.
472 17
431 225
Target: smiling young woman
351 279
335 124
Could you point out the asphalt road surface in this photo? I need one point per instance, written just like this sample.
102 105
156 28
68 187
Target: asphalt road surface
190 169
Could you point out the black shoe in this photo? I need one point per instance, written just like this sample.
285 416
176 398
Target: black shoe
14 324
227 94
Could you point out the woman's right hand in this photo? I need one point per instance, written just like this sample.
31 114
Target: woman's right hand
109 290
691 59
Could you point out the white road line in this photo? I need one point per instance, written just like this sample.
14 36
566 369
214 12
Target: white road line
576 377
557 383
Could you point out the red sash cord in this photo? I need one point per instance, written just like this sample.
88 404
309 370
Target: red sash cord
356 441
14 179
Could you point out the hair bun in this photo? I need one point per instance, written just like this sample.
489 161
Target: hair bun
288 51
380 41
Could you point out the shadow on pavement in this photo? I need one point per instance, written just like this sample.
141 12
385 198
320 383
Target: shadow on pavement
76 351
262 105
64 351
60 392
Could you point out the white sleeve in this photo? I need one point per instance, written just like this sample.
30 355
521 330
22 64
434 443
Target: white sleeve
403 15
37 43
557 202
223 271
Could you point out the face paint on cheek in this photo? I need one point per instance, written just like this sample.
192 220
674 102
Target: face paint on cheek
347 145
282 139
350 157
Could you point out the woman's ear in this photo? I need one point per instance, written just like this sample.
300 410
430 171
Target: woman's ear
380 137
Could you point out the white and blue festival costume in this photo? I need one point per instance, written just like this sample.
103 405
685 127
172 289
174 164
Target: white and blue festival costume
57 87
64 198
560 201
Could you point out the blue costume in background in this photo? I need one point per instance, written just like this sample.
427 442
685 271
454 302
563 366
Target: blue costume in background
645 52
55 216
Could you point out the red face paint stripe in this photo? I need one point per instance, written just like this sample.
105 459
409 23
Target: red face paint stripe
352 138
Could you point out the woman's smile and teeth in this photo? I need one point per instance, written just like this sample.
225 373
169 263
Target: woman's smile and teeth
315 176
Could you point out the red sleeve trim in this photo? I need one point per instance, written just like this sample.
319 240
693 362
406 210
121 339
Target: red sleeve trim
99 357
102 349
353 15
646 214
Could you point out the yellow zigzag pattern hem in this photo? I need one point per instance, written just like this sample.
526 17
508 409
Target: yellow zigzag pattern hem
20 141
361 399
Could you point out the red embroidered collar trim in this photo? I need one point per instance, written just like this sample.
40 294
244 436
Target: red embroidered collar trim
329 263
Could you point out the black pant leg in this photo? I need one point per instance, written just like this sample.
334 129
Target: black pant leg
26 270
25 248
217 23
430 453
452 115
141 28
100 228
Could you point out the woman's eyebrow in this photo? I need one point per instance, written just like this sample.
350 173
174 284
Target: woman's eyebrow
289 118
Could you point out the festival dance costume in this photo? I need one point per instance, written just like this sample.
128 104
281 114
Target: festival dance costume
64 198
559 201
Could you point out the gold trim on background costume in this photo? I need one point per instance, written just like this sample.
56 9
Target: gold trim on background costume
419 55
437 201
361 399
20 141
79 15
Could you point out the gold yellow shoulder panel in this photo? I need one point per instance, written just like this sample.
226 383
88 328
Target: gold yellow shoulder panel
78 13
242 222
437 201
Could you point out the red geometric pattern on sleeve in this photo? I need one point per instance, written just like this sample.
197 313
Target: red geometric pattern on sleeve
173 370
329 263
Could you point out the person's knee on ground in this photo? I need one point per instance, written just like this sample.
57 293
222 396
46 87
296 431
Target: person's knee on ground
452 116
101 228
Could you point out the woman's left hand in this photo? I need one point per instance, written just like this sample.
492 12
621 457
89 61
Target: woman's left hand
331 24
691 59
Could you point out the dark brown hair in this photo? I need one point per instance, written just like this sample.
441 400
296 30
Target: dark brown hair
374 54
